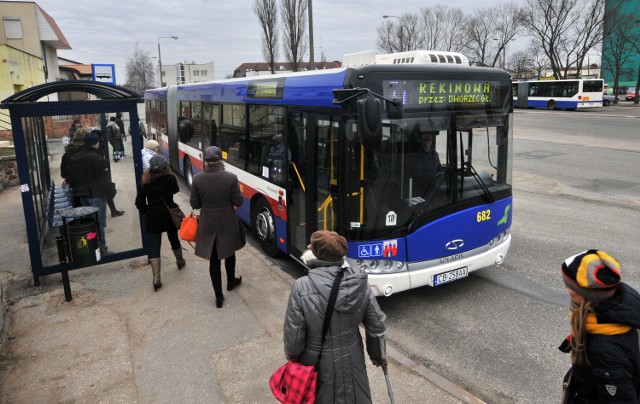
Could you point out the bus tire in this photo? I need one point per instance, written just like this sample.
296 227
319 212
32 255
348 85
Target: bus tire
551 104
264 227
188 172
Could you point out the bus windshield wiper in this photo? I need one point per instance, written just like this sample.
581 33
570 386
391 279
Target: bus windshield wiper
489 196
427 197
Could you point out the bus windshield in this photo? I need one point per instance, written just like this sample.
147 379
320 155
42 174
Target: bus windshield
424 166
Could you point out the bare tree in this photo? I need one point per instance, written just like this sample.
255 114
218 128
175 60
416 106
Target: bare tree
442 28
480 31
402 35
539 59
620 43
267 13
140 72
566 30
508 26
294 14
520 64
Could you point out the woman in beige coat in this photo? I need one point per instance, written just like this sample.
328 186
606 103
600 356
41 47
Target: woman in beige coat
220 234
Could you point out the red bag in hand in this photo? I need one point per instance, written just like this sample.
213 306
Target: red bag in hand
189 227
294 383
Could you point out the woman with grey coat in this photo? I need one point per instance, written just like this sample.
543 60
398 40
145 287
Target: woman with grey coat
220 234
342 374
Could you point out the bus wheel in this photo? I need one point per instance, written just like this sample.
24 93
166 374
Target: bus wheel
188 172
551 104
264 227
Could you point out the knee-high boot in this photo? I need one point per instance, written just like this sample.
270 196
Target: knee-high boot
180 262
216 280
155 269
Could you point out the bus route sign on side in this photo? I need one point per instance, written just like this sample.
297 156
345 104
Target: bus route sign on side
104 73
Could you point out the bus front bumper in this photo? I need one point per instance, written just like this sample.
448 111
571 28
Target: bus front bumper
423 273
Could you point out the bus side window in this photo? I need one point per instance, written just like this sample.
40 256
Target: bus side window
231 134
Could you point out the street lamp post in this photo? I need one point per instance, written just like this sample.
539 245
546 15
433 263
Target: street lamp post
160 57
401 30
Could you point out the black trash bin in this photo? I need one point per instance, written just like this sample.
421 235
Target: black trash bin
81 227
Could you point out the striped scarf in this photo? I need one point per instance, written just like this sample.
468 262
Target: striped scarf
593 327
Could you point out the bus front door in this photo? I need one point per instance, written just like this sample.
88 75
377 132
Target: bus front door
313 140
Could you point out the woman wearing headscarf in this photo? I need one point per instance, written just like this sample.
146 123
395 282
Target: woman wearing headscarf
216 193
154 199
605 316
342 374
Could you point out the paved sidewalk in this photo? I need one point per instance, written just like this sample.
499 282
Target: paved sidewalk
118 341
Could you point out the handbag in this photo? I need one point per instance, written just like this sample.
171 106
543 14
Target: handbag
189 227
177 215
295 383
566 387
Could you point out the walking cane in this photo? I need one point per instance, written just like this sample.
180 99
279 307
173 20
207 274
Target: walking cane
383 350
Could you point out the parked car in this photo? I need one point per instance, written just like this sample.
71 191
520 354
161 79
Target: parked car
631 93
608 99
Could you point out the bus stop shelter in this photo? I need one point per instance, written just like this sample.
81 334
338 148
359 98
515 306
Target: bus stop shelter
40 134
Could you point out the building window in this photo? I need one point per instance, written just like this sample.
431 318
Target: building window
12 28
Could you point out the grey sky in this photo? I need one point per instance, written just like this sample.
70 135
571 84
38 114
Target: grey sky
225 32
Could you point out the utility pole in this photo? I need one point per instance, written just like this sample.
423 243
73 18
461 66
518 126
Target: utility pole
309 10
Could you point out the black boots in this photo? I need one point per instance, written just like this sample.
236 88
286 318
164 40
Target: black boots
180 262
234 282
219 302
117 213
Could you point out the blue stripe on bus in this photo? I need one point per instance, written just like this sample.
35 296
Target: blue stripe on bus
314 90
469 225
429 241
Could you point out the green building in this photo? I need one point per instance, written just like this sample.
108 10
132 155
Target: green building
622 25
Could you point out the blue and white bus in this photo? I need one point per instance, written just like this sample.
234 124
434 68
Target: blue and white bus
337 150
558 94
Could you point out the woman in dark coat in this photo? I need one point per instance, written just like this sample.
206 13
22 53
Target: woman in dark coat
154 199
342 374
220 234
605 316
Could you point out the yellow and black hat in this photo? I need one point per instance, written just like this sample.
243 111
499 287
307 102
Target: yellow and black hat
593 274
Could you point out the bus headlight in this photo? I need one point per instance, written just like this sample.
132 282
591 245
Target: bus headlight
378 266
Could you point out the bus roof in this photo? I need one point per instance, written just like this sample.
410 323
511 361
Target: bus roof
318 84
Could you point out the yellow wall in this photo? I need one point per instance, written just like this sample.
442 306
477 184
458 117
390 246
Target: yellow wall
18 71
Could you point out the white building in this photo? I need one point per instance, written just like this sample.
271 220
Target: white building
182 73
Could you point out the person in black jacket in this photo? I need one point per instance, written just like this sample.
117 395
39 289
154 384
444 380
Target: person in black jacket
87 172
605 317
154 199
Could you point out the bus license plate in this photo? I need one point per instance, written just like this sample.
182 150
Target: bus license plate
450 276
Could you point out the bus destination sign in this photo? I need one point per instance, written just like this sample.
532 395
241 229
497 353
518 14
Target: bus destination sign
266 89
442 93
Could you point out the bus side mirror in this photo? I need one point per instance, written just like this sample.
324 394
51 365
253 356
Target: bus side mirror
395 109
370 120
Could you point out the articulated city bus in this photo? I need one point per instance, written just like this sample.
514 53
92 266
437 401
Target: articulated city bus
411 163
558 94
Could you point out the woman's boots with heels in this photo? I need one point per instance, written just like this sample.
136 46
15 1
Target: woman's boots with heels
155 269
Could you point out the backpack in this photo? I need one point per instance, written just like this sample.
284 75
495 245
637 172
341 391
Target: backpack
114 132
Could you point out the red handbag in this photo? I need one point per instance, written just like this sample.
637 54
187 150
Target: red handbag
295 383
189 227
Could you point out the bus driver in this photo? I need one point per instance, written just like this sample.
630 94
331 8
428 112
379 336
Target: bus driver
423 164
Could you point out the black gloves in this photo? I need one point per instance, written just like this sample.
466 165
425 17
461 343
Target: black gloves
377 349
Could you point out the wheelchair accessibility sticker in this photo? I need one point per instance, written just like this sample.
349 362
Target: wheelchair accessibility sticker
388 248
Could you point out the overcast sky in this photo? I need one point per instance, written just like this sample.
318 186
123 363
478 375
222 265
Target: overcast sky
225 32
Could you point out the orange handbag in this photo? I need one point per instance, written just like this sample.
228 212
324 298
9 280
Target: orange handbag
189 227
